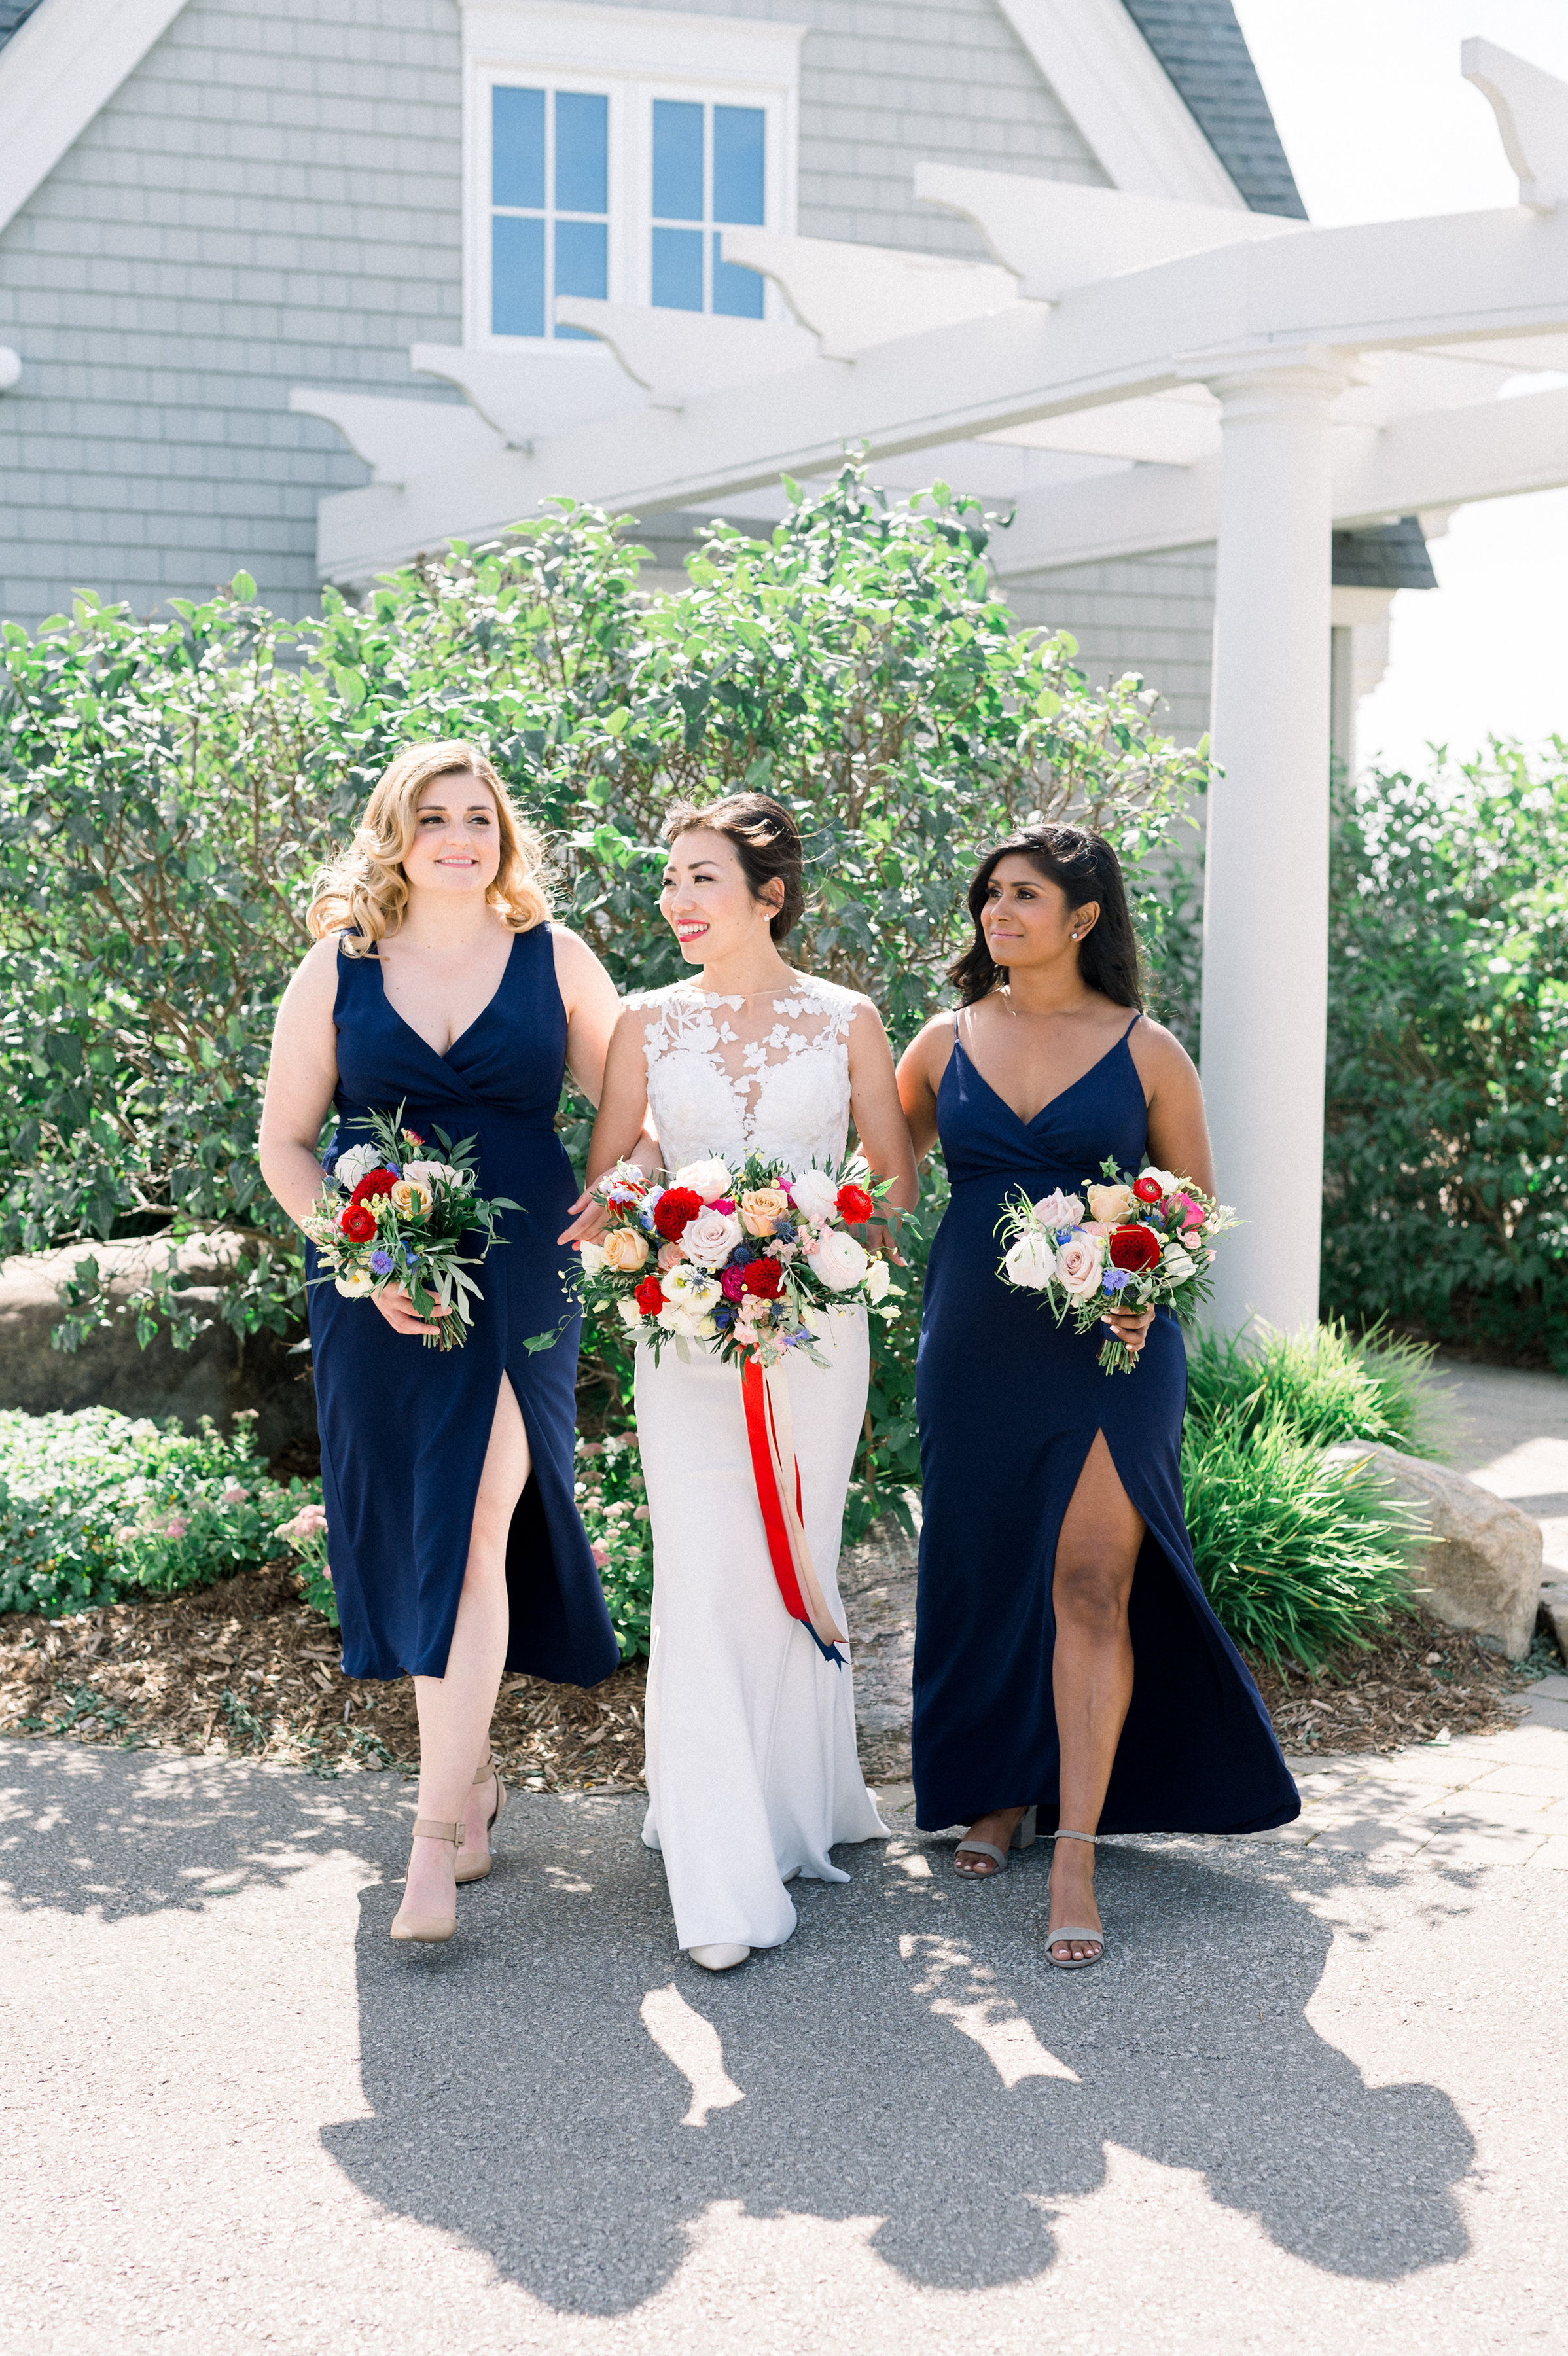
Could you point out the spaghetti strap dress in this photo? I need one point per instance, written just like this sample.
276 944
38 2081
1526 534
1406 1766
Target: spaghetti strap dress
1009 1404
404 1427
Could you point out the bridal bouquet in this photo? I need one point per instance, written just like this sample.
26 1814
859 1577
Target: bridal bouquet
1147 1242
387 1216
748 1259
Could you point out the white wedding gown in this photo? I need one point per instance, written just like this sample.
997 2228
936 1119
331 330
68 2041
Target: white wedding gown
752 1769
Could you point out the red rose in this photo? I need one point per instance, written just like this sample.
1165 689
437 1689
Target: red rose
1134 1248
673 1210
650 1296
373 1184
856 1206
1147 1189
358 1224
763 1277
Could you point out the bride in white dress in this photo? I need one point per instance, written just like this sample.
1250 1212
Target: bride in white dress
752 1769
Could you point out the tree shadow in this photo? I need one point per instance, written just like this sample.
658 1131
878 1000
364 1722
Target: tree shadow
520 2103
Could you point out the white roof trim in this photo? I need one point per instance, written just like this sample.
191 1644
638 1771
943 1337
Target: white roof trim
57 72
1122 99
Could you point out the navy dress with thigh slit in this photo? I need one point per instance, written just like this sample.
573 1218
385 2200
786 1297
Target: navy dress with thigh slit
404 1427
1009 1406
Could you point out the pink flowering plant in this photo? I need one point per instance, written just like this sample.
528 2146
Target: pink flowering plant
388 1214
750 1259
1125 1243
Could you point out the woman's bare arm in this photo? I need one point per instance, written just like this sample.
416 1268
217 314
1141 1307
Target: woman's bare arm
1178 1132
879 1121
593 1010
920 1069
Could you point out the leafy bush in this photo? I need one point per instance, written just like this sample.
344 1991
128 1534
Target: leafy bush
612 1498
1298 1557
95 1505
1325 1386
1445 1185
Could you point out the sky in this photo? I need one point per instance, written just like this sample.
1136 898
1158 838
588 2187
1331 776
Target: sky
1379 126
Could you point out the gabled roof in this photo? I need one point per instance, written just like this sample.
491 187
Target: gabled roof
1204 51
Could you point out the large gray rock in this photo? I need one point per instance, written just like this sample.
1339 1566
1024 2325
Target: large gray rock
213 1378
1480 1569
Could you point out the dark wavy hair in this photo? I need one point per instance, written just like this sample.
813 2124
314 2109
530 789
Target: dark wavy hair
1085 867
767 843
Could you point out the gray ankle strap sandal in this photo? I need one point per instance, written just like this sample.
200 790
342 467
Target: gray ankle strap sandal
1083 1932
1023 1837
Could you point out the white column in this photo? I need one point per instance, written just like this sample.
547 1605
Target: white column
1265 924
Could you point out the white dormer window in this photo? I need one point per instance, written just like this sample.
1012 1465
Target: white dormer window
606 152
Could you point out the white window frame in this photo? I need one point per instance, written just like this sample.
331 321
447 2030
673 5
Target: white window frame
632 56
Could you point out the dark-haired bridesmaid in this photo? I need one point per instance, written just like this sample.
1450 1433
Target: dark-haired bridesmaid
1054 1552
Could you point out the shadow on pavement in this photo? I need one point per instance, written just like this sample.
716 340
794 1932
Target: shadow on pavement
521 2101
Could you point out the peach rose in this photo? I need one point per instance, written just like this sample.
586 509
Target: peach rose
1111 1204
625 1250
669 1256
410 1197
762 1209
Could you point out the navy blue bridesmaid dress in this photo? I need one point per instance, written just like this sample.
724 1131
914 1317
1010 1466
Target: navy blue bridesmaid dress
1009 1404
404 1427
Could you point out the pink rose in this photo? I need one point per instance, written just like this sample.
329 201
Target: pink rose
669 1256
1079 1263
711 1236
1058 1210
1096 1227
732 1283
1191 1212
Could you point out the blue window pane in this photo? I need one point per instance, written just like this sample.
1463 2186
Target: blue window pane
582 258
738 151
517 148
677 165
678 269
517 277
737 292
582 154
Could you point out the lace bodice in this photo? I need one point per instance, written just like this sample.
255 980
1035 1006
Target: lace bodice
737 1076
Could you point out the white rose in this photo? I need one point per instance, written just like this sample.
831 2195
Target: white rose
429 1173
631 1315
359 1161
1058 1210
355 1287
711 1236
816 1196
1163 1180
1032 1261
1176 1264
838 1261
879 1283
686 1324
710 1179
1080 1264
590 1257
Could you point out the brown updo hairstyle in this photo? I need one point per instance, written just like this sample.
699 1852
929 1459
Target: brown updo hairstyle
1084 866
767 843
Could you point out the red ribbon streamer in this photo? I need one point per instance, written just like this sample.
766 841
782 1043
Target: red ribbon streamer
783 1516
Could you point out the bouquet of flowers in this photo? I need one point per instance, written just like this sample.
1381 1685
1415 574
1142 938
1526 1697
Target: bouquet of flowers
749 1260
1147 1241
387 1216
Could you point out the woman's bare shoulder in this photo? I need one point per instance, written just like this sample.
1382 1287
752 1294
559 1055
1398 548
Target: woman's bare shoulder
1158 1053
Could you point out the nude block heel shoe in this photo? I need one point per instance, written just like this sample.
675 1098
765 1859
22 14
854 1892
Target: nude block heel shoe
429 1930
475 1868
1081 1932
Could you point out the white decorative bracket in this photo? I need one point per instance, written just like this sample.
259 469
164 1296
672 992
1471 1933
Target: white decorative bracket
1532 108
528 395
854 296
678 355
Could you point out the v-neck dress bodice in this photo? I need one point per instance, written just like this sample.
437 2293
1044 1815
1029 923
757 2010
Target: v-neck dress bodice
1009 1406
404 1428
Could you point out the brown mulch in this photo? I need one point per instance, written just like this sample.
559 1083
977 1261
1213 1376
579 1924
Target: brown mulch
246 1670
1415 1683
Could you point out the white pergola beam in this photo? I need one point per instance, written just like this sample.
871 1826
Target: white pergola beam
1443 458
1445 279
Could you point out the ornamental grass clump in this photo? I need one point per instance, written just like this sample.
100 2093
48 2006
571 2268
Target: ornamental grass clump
1299 1557
1325 1384
96 1506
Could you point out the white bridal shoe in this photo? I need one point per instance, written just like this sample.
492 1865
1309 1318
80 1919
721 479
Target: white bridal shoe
718 1959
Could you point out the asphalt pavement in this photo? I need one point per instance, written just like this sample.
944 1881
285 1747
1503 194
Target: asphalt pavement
1313 2099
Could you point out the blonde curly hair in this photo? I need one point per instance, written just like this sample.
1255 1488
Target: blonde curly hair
364 891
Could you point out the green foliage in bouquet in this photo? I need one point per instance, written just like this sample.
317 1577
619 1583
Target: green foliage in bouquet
96 1506
1445 1182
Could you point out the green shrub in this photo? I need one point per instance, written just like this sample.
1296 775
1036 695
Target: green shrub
97 1506
1325 1386
1446 1179
612 1498
1298 1556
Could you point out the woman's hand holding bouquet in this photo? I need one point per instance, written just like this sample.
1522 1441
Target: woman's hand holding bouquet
1144 1243
391 1221
749 1260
